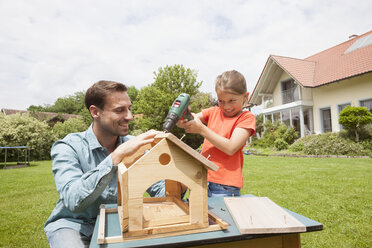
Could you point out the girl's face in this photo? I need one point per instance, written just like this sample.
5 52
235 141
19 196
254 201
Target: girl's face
231 104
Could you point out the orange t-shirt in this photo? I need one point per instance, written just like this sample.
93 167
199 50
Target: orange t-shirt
230 167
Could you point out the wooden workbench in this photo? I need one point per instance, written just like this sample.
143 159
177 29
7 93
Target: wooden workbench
227 238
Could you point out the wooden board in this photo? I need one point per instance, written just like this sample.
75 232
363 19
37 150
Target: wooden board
162 230
260 215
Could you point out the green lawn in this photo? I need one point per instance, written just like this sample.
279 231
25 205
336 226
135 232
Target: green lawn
334 191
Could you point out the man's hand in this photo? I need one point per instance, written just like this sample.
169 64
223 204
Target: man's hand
132 145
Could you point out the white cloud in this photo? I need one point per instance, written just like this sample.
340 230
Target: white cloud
51 49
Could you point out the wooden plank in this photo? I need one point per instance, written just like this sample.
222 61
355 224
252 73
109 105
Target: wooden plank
101 225
260 215
291 240
166 221
123 197
116 239
218 220
183 205
172 188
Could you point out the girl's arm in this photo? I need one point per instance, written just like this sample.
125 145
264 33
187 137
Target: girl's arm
229 146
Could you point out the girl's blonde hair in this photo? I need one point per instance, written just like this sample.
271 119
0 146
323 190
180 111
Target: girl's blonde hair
232 82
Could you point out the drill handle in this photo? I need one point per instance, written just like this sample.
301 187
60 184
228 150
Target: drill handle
187 114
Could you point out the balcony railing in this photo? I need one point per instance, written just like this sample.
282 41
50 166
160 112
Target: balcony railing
290 95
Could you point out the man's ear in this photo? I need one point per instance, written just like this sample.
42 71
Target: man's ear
94 111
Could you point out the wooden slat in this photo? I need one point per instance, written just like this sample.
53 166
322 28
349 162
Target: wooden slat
260 215
218 220
116 239
166 221
167 231
101 225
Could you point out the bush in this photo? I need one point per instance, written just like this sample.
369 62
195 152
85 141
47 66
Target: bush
281 144
354 118
329 144
274 131
25 130
72 125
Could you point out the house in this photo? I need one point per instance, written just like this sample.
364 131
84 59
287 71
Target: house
49 117
308 94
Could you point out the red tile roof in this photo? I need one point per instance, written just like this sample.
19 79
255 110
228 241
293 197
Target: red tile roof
330 65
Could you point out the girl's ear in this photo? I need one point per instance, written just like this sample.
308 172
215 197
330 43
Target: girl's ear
246 95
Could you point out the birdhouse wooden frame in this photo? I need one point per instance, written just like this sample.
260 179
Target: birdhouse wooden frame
169 159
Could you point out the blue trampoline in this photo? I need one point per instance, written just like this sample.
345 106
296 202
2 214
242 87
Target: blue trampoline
23 149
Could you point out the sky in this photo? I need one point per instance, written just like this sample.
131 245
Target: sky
51 49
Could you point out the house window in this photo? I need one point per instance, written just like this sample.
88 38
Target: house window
268 118
307 125
286 118
295 113
326 120
277 117
340 108
367 104
289 91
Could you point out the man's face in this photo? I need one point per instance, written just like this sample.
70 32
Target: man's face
114 118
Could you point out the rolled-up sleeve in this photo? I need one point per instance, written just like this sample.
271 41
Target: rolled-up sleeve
77 183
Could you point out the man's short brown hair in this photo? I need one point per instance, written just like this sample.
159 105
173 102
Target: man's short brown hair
96 94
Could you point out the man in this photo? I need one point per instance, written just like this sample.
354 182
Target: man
85 165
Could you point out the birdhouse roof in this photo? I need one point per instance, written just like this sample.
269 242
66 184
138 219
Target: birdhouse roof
203 160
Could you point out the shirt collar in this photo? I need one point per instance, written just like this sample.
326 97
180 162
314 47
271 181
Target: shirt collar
92 139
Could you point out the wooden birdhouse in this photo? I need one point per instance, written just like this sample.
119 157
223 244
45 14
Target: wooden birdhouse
169 159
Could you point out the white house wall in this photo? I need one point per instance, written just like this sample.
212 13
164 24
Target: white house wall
306 94
277 94
350 90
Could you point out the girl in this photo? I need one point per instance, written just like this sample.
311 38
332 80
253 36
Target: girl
226 130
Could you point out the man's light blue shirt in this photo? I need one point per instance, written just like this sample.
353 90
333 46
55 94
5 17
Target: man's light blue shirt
85 178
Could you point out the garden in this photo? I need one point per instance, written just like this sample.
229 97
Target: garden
336 192
325 177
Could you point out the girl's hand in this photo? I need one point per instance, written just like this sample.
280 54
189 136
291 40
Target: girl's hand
181 123
194 126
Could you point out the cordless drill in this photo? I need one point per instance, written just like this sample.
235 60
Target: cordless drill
180 110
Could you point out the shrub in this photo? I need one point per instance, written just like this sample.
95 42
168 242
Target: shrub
329 144
281 144
72 125
354 118
274 131
25 130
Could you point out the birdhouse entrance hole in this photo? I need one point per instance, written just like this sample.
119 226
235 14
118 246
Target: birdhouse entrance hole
164 159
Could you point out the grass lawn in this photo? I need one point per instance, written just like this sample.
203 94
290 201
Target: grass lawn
334 191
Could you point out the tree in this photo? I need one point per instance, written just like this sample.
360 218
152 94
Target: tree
354 118
154 101
132 93
72 125
72 104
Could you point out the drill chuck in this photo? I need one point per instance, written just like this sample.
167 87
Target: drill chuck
170 121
